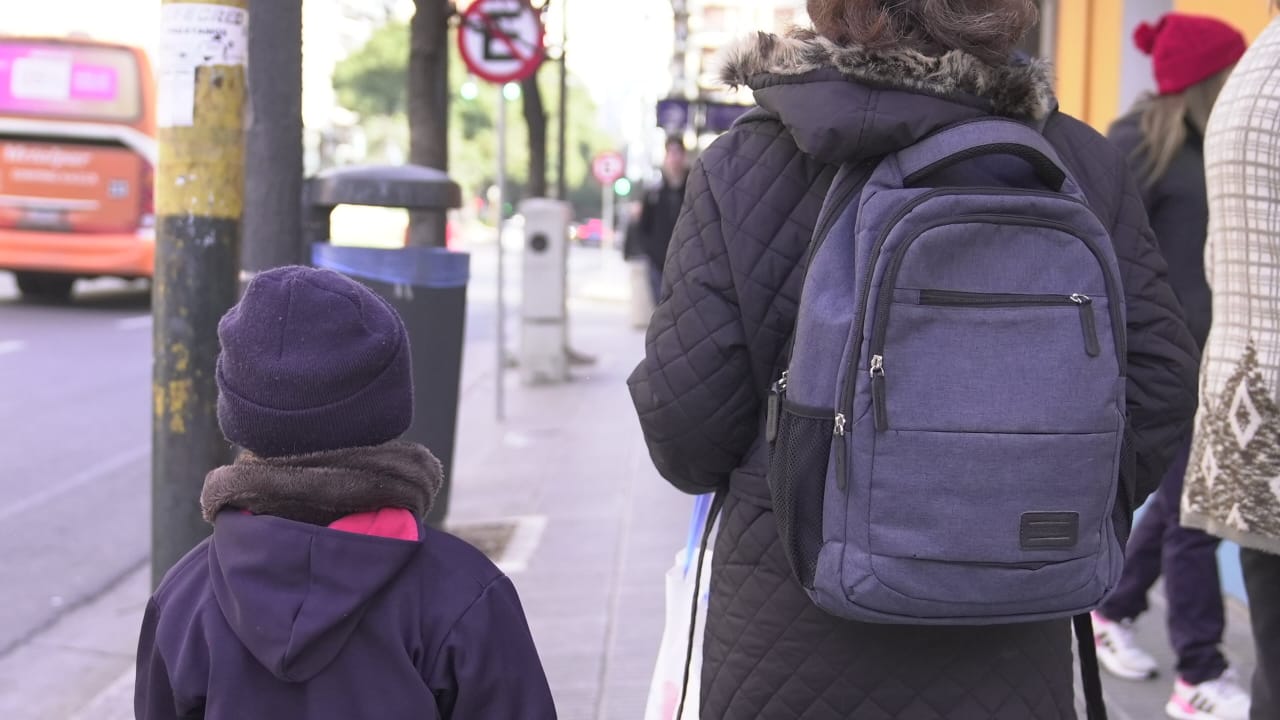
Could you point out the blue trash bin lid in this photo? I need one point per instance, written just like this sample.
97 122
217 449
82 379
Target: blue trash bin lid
426 267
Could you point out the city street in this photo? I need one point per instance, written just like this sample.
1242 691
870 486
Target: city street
74 395
74 493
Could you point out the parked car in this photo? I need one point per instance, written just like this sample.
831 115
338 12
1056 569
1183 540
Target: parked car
590 233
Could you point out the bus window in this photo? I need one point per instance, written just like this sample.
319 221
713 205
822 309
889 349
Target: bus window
77 152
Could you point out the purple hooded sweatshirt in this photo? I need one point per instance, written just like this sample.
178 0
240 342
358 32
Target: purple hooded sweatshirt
283 620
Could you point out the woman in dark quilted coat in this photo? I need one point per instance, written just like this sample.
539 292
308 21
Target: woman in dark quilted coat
873 77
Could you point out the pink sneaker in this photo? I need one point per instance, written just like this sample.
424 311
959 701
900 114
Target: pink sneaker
1220 699
1119 653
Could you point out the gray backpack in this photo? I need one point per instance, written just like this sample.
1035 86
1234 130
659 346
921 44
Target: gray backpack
947 434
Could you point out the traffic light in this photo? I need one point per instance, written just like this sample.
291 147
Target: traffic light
622 187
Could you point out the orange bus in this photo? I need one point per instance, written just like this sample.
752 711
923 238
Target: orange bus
77 159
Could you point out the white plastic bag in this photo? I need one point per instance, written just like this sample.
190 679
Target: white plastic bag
669 671
641 292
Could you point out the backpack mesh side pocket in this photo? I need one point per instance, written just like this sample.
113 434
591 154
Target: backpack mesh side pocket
797 482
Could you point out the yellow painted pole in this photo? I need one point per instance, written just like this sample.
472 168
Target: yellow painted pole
199 200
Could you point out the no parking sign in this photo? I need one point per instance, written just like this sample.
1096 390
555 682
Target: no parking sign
502 41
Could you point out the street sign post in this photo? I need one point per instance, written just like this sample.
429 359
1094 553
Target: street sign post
501 41
608 167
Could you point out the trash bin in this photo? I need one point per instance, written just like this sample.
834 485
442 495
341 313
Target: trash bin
426 285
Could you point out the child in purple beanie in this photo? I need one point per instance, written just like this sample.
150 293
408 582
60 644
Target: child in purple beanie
320 593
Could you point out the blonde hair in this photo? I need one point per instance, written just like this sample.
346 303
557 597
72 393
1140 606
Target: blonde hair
1163 123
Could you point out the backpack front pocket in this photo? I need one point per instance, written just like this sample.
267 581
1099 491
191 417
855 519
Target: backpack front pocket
987 517
990 362
798 465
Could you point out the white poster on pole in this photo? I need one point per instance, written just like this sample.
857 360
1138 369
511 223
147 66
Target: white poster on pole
194 35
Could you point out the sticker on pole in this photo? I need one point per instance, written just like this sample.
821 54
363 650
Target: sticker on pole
501 40
608 167
194 35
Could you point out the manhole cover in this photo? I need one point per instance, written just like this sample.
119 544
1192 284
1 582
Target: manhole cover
509 543
491 538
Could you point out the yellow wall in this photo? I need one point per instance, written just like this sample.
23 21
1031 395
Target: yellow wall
1251 16
1089 46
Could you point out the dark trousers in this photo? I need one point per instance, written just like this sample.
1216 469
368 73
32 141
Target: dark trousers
1188 560
1262 582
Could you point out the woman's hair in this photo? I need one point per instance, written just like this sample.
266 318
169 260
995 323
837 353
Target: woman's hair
1164 119
987 29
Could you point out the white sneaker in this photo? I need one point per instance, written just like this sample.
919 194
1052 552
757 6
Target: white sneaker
1119 653
1221 699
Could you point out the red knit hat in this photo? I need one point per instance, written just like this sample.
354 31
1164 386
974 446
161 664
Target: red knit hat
1186 49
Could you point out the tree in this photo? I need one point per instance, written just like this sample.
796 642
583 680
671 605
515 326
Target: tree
535 119
372 82
428 91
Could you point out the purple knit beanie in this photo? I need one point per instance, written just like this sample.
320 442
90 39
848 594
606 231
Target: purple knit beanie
312 361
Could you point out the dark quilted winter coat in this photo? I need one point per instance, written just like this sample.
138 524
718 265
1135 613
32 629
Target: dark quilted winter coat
727 308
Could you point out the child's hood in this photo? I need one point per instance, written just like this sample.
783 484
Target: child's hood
293 592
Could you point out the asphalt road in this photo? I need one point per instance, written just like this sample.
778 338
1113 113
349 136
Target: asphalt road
74 449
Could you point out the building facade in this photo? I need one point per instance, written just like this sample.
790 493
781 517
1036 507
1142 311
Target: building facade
1099 71
704 27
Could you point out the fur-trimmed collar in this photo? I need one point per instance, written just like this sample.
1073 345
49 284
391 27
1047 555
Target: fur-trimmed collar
1019 90
320 488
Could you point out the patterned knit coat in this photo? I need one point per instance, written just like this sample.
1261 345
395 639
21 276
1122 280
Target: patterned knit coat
1233 483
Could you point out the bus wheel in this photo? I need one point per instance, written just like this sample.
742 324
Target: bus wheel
45 286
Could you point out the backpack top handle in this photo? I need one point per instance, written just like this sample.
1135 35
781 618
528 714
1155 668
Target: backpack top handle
981 138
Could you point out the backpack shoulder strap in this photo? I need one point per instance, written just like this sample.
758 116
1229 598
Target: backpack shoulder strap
848 183
985 137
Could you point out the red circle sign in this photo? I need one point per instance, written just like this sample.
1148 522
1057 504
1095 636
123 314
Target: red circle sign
501 40
608 167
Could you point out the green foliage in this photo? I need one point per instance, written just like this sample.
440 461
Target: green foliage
373 80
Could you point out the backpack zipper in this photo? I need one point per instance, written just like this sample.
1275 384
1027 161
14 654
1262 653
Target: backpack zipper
773 417
878 401
1088 324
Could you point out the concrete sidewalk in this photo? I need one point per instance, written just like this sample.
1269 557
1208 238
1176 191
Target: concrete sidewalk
588 527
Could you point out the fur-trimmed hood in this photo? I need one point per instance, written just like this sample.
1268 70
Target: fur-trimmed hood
845 104
1019 89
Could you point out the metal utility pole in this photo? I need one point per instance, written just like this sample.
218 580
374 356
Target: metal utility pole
273 173
199 200
428 94
562 131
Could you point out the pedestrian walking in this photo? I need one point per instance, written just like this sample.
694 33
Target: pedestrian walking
1232 489
874 78
660 210
1163 137
320 593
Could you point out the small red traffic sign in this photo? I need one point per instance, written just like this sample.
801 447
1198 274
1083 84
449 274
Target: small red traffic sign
608 167
501 40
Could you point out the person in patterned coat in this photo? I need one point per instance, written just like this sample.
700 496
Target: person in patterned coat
1233 483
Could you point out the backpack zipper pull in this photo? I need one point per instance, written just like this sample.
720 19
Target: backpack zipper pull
877 393
840 423
1088 324
775 408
